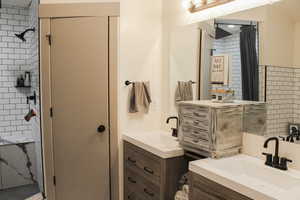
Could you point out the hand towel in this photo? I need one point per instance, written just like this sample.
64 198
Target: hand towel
184 91
140 98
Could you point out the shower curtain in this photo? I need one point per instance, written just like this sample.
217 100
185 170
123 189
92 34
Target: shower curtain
249 63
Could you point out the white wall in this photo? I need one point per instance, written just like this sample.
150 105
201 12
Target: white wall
140 59
253 146
297 45
184 60
279 39
276 31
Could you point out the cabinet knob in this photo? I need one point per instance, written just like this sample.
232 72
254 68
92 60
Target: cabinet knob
101 129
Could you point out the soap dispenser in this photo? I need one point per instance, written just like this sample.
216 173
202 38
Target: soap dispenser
27 79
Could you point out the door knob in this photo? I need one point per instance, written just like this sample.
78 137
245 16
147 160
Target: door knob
101 129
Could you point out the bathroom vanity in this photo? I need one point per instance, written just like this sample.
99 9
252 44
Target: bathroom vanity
216 129
241 177
203 188
153 165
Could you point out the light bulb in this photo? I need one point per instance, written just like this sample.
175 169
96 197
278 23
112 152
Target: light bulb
210 1
186 4
197 2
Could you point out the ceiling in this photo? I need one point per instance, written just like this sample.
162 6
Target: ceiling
18 3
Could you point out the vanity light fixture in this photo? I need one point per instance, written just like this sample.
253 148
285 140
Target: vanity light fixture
207 9
198 5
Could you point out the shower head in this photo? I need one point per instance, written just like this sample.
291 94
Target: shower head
221 33
21 36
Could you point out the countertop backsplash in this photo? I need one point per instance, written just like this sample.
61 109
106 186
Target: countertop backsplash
253 146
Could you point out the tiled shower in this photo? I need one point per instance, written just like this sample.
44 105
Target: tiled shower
231 46
20 140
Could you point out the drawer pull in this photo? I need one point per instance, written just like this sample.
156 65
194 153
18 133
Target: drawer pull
150 171
131 180
131 160
148 193
196 122
199 115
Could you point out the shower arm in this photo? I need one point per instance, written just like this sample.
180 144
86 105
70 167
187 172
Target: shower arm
27 30
21 36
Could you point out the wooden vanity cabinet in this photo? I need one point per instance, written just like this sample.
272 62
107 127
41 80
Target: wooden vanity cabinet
202 188
149 177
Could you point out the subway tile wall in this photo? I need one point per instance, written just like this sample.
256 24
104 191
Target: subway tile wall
297 96
281 100
231 45
33 63
261 73
14 56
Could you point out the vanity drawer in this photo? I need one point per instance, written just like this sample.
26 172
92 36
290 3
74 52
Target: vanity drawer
199 123
205 189
193 111
196 133
130 155
139 188
140 160
197 143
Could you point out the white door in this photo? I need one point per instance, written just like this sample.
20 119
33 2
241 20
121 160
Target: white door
79 81
207 41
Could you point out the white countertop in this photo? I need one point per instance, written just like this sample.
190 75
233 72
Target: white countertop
210 103
160 143
250 177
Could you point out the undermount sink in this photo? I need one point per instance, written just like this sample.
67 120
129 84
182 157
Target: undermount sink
160 143
249 176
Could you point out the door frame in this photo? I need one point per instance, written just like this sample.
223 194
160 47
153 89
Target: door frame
46 12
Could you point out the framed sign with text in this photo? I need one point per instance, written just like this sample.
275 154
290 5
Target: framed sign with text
220 70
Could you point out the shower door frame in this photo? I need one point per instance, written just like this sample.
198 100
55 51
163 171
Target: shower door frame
46 13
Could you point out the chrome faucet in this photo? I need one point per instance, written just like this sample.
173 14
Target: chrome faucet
174 130
275 161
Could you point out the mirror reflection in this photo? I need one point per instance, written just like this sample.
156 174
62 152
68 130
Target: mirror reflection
247 56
